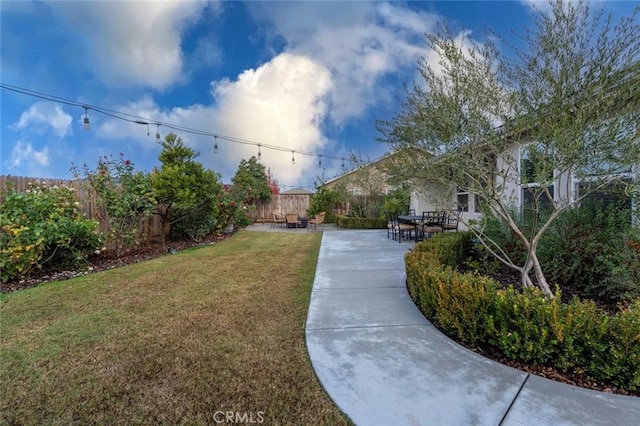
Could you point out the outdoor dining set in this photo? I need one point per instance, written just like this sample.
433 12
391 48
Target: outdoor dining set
415 227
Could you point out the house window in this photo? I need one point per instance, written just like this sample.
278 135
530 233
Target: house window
534 178
611 196
476 204
531 167
355 191
604 163
463 202
529 195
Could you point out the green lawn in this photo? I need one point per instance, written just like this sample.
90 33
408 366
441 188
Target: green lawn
170 341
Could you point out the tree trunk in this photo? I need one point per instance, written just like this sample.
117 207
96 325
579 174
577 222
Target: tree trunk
542 281
534 263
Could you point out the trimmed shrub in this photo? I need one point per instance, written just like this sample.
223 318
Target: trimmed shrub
451 248
526 326
349 222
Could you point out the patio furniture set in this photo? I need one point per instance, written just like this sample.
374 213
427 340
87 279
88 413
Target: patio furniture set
414 227
293 220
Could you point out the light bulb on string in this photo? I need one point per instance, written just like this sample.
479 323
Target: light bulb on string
143 123
158 139
293 158
85 122
259 153
215 145
343 164
320 161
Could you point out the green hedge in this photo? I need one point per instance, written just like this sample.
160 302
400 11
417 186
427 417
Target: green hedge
525 326
349 222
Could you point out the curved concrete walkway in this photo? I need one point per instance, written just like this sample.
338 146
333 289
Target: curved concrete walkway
383 363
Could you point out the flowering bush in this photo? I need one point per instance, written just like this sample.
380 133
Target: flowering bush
125 196
43 227
231 211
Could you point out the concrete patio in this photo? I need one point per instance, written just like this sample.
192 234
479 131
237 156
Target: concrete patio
383 363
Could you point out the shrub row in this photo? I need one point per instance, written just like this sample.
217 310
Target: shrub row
349 222
525 326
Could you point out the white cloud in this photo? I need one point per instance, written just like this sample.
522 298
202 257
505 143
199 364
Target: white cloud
24 153
538 5
332 68
44 116
359 42
281 103
132 42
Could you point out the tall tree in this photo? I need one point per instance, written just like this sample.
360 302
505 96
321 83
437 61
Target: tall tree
184 189
250 183
563 108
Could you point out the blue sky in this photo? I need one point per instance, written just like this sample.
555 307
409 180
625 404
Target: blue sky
305 76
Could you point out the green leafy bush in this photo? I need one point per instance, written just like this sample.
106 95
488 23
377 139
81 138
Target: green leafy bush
397 200
126 197
450 248
587 250
196 223
43 228
325 200
349 222
231 211
526 326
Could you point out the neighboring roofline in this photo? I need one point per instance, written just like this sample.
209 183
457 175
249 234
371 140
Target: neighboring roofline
294 191
377 160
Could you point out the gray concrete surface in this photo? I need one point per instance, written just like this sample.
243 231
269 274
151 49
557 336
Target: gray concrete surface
383 363
268 227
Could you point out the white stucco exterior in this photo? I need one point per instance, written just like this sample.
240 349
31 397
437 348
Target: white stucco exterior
508 182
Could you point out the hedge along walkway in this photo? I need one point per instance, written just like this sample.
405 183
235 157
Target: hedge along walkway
383 363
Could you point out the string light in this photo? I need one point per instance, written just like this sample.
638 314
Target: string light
320 161
145 121
215 146
85 122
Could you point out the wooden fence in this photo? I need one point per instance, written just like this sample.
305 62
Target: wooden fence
281 204
150 230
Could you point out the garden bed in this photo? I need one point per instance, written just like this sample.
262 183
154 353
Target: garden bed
578 342
108 260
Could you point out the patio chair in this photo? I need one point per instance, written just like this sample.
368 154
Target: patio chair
292 220
450 223
432 223
402 229
318 220
278 220
391 228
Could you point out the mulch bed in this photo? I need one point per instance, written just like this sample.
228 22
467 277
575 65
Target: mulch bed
108 260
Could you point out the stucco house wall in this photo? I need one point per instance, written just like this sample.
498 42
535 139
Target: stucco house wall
564 189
